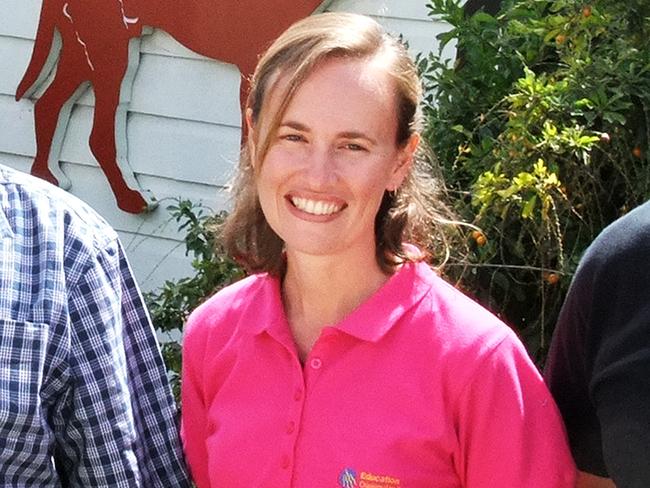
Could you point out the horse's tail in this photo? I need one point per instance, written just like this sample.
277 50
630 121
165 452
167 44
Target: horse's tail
50 13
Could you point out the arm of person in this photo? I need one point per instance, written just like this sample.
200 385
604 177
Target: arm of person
116 425
588 480
621 394
159 451
510 429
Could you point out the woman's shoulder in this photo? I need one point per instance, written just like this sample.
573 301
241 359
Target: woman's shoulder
455 315
467 340
224 309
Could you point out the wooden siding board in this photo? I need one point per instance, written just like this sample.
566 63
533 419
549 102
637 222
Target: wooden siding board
19 18
421 35
192 89
162 44
17 127
186 150
14 57
21 163
155 260
409 19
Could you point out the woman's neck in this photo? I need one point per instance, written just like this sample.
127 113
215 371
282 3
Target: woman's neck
321 291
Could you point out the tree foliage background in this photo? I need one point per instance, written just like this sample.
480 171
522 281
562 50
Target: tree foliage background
541 127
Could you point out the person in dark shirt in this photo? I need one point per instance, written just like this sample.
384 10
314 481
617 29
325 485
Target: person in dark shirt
598 367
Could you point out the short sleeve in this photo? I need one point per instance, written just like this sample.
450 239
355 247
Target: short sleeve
509 427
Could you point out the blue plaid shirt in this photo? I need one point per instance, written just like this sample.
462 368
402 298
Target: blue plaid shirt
84 399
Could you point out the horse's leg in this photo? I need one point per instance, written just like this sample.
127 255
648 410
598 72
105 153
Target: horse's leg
52 114
109 124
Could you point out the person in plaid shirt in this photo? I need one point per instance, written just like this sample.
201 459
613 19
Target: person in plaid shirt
84 399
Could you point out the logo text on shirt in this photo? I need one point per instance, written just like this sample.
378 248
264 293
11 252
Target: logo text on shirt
350 479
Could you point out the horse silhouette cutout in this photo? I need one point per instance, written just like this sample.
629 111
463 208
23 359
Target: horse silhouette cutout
98 43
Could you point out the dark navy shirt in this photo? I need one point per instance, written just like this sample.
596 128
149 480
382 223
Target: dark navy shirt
599 363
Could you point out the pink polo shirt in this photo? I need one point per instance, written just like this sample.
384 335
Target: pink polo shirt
418 387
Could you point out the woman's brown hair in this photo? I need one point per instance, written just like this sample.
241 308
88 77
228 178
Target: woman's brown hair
406 214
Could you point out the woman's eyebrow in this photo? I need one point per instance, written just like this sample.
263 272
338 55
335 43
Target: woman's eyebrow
357 135
294 125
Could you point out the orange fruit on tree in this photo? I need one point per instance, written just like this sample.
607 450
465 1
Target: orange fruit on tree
552 278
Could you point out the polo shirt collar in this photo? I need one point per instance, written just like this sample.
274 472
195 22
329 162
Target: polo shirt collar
266 310
370 321
379 313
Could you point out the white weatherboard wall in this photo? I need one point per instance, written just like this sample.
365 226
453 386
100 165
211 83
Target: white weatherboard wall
182 128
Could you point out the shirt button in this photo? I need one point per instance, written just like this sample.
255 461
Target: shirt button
291 426
316 363
297 396
285 462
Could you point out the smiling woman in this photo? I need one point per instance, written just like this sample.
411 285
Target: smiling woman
344 358
386 80
326 171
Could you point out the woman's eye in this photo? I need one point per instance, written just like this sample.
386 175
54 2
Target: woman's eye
292 137
354 147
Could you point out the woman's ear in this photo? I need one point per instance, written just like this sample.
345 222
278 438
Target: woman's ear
405 157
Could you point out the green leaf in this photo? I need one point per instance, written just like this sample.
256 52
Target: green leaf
614 117
529 207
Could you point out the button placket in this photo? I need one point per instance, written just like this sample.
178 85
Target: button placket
291 426
298 394
316 359
316 363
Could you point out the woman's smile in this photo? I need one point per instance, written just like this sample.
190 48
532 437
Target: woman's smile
315 206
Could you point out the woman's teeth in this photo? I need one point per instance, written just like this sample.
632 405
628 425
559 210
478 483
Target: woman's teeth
315 207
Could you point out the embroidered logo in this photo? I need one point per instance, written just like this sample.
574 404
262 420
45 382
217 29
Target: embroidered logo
371 480
348 478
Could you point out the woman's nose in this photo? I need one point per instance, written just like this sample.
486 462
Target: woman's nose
320 167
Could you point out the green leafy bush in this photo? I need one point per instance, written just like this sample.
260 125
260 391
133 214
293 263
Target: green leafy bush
542 129
172 303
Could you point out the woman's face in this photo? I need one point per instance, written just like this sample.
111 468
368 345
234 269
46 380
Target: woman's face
333 157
